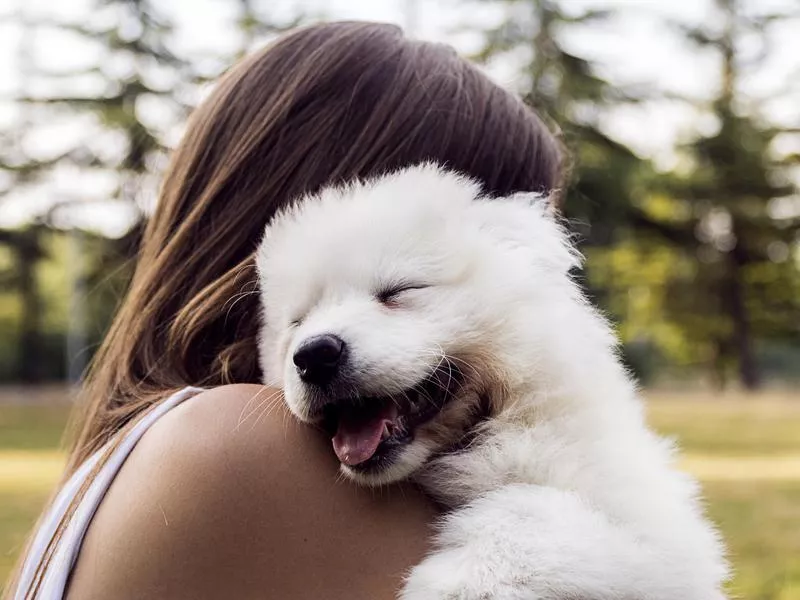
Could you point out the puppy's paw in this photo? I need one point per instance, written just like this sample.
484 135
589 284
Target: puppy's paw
458 574
525 542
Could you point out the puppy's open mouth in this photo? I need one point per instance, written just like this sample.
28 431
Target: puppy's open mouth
369 432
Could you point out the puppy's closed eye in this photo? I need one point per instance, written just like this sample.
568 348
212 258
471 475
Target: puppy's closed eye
389 295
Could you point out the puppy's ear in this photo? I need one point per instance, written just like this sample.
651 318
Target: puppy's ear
527 222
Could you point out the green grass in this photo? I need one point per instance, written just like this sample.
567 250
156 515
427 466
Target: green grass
37 427
745 450
761 524
30 463
18 512
730 425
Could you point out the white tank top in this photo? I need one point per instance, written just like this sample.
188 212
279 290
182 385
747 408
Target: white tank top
58 570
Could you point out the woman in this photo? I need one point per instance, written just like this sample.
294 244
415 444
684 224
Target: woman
225 496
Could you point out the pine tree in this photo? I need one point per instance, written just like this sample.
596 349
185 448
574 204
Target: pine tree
137 70
24 244
567 92
605 177
140 74
746 285
715 269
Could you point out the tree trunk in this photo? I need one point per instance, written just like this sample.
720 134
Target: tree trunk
719 374
30 352
749 372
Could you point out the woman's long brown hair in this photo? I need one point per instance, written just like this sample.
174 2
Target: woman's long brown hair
323 104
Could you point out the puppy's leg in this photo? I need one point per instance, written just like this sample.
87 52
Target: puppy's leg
525 542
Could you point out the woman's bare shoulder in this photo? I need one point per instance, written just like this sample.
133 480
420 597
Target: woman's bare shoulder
242 421
226 494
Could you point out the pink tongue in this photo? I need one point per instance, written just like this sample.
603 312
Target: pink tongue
358 436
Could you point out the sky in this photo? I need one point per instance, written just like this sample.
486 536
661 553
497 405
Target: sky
635 48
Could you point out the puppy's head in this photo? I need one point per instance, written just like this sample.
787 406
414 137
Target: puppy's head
397 312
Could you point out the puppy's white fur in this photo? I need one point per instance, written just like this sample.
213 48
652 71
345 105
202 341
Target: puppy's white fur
563 492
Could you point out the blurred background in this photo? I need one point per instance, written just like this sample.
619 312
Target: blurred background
682 119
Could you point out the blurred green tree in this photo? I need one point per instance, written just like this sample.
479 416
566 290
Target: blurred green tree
605 177
566 90
697 264
131 99
134 73
745 284
21 354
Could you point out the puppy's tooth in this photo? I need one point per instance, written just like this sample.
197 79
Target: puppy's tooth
385 435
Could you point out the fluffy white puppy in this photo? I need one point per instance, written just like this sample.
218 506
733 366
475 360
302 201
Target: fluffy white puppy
437 335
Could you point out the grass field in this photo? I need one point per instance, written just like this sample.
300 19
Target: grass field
746 451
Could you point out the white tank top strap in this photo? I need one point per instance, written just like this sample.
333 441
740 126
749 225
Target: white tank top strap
58 570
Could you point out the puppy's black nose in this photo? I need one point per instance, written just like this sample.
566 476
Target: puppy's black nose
318 358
